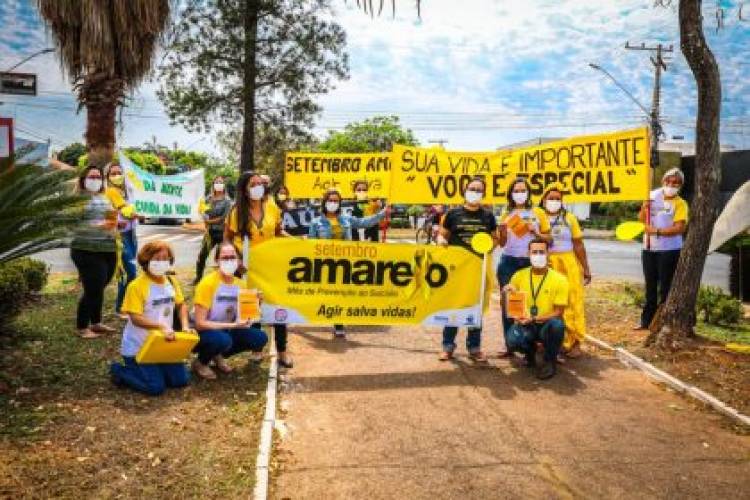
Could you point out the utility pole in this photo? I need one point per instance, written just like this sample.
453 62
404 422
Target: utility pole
660 63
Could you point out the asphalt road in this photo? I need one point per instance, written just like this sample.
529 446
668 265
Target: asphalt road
608 259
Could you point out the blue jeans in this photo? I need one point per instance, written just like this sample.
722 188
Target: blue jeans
229 342
473 339
524 337
129 253
151 379
505 271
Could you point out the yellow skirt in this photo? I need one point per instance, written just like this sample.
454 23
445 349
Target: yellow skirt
574 316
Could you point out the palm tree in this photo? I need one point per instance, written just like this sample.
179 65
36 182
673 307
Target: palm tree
107 48
37 207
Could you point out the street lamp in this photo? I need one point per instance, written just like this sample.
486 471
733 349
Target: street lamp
627 92
38 53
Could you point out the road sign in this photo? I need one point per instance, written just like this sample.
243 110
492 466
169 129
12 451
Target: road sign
17 83
6 137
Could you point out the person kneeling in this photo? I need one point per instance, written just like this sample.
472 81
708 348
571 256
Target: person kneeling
216 317
150 301
542 326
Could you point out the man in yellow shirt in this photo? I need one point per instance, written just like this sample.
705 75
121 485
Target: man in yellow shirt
541 324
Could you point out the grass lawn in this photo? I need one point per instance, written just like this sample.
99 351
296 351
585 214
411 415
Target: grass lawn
703 362
66 432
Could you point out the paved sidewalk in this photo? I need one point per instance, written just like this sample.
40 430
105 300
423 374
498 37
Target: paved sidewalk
378 416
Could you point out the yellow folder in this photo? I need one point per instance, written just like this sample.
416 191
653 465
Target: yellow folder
156 349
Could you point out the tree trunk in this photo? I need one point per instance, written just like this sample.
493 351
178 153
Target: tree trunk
101 98
247 152
676 319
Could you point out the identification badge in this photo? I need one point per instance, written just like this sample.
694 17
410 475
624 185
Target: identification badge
534 311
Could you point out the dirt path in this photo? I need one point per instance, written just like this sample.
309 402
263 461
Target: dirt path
378 416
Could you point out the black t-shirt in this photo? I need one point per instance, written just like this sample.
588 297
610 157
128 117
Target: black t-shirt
463 224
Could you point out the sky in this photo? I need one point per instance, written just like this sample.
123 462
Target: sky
478 74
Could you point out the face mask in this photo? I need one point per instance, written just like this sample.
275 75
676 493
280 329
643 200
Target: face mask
553 206
93 185
331 206
282 197
115 180
219 186
228 267
159 267
520 197
360 195
538 260
256 192
472 197
670 191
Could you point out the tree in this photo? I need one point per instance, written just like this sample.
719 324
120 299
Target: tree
37 209
375 134
259 62
71 153
676 318
107 49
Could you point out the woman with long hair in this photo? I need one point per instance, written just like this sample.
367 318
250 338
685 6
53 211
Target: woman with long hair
255 218
126 226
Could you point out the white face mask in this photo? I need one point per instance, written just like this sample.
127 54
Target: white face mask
670 191
538 260
256 192
159 267
520 197
332 206
219 186
472 197
553 206
92 185
228 267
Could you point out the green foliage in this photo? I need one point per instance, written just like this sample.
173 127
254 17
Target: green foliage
72 153
717 307
635 294
18 279
299 51
375 134
415 210
37 208
146 160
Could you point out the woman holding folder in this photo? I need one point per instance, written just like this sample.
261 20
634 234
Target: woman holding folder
223 330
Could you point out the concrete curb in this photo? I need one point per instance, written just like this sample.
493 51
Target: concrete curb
263 460
629 359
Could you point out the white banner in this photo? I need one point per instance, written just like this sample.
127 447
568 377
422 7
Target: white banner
163 196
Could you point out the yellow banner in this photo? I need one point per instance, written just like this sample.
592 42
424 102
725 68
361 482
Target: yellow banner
310 175
343 282
601 168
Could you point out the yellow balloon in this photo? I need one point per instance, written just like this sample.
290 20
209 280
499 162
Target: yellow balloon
481 242
629 230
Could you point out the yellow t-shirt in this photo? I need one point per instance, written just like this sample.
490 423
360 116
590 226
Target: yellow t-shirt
156 301
336 232
554 291
218 297
267 230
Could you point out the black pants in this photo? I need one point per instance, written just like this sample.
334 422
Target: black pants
210 240
95 270
279 335
658 270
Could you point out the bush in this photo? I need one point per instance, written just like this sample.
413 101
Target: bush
635 294
18 279
400 223
717 307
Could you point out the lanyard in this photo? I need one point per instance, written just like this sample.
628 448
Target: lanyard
535 293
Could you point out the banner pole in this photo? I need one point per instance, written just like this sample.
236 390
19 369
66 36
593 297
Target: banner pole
482 287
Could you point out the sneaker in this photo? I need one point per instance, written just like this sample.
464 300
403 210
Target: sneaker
284 361
478 357
203 371
546 370
339 333
445 356
222 365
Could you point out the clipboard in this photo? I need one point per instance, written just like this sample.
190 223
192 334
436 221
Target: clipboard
156 349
